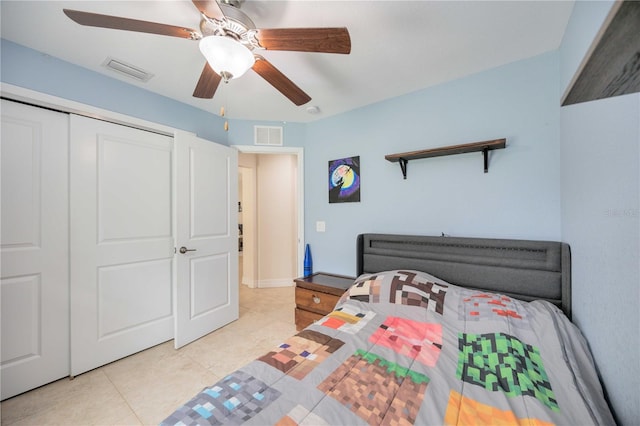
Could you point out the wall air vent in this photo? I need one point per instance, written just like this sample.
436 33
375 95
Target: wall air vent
268 135
127 69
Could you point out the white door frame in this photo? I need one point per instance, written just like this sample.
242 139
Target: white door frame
299 153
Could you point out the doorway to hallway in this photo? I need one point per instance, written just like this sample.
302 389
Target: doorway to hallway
270 215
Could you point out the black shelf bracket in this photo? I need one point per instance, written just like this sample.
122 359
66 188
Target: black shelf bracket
403 166
485 153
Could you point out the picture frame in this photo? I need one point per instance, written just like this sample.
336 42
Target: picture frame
344 180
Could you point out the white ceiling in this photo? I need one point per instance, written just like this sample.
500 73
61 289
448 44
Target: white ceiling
397 47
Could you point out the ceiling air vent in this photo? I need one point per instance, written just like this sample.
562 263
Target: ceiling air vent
268 135
127 69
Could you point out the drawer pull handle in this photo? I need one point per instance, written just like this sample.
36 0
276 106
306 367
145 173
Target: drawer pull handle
316 299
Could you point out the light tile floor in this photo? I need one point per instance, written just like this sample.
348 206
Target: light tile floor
146 387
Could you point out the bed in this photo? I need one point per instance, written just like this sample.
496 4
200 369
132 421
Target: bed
435 330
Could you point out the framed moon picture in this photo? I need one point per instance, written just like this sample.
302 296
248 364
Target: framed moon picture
344 180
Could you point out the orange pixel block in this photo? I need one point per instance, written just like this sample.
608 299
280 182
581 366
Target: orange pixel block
466 411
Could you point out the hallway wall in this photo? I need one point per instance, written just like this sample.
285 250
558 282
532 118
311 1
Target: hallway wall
270 220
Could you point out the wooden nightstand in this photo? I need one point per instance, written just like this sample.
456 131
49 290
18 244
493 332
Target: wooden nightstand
316 296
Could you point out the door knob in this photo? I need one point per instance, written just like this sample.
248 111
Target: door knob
183 249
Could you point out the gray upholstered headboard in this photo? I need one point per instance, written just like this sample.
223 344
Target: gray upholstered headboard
524 269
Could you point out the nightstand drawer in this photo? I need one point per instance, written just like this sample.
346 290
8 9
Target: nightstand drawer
305 318
321 303
317 295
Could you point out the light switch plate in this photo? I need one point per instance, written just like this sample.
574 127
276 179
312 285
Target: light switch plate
320 226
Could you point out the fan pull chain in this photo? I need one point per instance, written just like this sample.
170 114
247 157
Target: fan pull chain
226 123
222 110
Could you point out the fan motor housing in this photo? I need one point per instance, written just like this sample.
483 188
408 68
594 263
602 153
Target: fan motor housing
236 23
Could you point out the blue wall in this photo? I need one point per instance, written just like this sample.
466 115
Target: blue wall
600 184
518 198
31 69
600 216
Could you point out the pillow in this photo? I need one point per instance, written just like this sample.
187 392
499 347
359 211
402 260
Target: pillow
369 287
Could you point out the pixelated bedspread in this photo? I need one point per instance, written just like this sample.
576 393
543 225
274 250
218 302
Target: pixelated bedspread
403 347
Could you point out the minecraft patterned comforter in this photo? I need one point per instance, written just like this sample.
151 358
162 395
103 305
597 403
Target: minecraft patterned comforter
403 347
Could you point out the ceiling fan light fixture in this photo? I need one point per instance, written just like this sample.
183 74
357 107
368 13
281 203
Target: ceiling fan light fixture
226 56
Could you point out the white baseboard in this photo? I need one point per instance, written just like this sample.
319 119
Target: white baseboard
249 283
283 282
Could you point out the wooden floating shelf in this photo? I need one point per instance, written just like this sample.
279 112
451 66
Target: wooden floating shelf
612 65
484 147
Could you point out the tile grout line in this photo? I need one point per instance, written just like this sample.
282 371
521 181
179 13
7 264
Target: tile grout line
121 395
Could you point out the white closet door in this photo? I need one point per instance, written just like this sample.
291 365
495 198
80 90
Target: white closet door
34 247
121 241
207 213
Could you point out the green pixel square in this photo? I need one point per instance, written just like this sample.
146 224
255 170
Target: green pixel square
498 361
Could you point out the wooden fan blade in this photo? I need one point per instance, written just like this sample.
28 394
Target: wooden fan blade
211 8
207 84
118 23
326 40
280 81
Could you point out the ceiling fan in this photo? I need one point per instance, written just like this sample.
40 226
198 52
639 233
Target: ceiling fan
228 39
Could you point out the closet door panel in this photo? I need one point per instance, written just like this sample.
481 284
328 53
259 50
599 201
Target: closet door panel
148 289
121 241
123 215
207 226
34 247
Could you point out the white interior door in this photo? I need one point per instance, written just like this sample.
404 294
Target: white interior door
34 247
121 239
207 226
